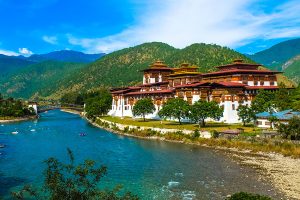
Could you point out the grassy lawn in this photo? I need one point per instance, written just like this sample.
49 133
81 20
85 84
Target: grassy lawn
175 125
8 118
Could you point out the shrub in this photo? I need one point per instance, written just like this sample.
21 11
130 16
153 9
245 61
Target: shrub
247 196
126 129
150 132
196 134
214 134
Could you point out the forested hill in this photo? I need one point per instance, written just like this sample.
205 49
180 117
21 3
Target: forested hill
283 56
41 79
278 54
120 68
123 67
9 64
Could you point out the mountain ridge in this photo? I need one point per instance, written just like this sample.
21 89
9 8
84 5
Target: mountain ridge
119 68
283 57
66 56
275 56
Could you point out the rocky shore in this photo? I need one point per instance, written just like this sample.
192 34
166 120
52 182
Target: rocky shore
282 171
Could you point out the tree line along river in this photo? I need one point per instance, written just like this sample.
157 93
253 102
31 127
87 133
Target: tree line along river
150 169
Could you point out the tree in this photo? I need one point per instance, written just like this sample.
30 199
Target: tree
290 130
295 98
264 101
202 110
68 181
98 105
143 107
245 114
175 108
282 98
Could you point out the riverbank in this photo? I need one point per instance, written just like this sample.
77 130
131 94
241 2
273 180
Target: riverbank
282 171
69 110
18 119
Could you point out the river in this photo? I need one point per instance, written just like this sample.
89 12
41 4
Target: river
150 169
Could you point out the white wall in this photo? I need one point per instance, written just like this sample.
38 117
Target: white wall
34 106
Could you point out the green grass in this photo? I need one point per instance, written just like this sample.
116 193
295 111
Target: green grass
175 125
245 141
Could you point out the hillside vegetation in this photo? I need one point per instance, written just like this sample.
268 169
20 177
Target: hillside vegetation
284 57
40 79
9 64
124 67
278 54
292 69
120 68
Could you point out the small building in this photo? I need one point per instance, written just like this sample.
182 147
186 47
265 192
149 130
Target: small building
33 105
282 117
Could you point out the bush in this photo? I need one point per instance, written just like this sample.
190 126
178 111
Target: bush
196 134
126 129
214 134
115 127
150 132
247 196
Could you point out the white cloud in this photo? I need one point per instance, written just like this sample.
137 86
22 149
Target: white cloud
50 39
8 53
25 51
180 23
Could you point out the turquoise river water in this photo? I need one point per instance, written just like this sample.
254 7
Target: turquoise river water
150 169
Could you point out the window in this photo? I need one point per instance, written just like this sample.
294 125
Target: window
233 106
267 123
272 83
259 122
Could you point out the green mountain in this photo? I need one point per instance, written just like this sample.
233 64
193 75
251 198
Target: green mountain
278 54
124 67
41 79
120 68
292 69
9 64
283 56
66 56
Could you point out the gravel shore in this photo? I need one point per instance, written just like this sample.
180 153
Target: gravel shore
284 172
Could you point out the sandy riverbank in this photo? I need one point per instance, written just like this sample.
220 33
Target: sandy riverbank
282 171
71 111
17 119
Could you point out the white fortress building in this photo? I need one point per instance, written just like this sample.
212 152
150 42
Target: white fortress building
231 85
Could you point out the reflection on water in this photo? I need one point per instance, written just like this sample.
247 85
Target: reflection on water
151 169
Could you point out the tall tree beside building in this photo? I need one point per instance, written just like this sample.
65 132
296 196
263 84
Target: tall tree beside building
282 98
263 102
175 108
246 114
296 99
99 104
202 110
143 107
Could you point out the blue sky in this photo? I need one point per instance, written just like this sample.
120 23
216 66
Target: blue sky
94 26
